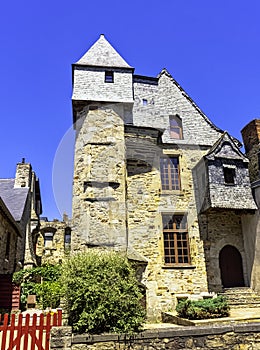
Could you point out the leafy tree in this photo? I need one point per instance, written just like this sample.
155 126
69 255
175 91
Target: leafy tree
43 281
101 292
203 309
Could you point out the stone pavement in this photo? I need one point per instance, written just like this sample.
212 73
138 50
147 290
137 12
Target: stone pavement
237 315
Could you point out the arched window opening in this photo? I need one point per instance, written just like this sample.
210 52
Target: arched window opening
48 239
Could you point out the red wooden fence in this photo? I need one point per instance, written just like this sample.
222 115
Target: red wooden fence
31 332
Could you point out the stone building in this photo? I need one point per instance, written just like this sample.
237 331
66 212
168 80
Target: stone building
53 241
251 138
22 197
156 179
10 232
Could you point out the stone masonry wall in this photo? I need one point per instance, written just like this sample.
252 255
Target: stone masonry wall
146 203
218 229
99 217
57 249
251 230
251 137
89 84
166 99
7 266
232 337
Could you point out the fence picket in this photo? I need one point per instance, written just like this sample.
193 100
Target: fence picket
34 330
11 332
48 329
26 331
4 327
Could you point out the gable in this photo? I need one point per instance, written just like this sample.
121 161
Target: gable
197 128
226 148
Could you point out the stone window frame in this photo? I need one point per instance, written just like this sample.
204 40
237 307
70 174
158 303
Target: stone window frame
176 129
176 246
50 231
170 172
109 76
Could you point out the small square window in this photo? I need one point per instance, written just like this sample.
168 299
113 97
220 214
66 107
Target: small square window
109 77
145 102
229 175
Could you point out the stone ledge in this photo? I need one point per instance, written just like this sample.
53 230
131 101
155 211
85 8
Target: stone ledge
168 333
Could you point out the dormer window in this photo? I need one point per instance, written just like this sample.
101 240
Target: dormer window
176 127
109 77
229 175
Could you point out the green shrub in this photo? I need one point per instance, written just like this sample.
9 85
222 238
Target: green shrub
43 281
101 293
203 309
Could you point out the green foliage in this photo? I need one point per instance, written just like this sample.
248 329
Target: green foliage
101 293
43 281
203 309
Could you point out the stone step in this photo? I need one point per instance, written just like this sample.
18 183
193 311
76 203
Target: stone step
241 297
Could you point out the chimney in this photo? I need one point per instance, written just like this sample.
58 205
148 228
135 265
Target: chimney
23 176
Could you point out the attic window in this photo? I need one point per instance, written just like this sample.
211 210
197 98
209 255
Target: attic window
109 77
175 127
229 175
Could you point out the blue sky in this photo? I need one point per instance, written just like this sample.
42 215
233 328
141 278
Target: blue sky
212 48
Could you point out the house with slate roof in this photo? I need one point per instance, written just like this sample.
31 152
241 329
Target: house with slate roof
156 179
20 209
10 233
22 197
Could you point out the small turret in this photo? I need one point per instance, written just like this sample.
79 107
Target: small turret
101 75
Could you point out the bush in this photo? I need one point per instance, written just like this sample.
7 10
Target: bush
203 309
43 281
101 293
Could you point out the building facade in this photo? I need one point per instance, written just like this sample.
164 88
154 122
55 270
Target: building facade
155 179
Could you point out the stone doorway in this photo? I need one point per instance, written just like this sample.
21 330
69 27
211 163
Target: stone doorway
230 263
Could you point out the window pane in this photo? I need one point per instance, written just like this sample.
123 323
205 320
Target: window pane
170 178
175 239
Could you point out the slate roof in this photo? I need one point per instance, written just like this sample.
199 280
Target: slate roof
14 198
102 54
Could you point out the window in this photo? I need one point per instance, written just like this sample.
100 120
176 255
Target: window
170 173
229 175
109 77
175 236
145 102
48 238
7 247
176 127
67 238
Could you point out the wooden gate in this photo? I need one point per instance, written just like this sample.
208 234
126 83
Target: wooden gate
31 332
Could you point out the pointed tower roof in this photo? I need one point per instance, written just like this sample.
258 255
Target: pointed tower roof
102 54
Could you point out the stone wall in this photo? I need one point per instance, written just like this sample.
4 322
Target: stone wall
99 214
57 248
232 337
7 261
251 234
251 137
146 203
220 228
167 98
89 84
